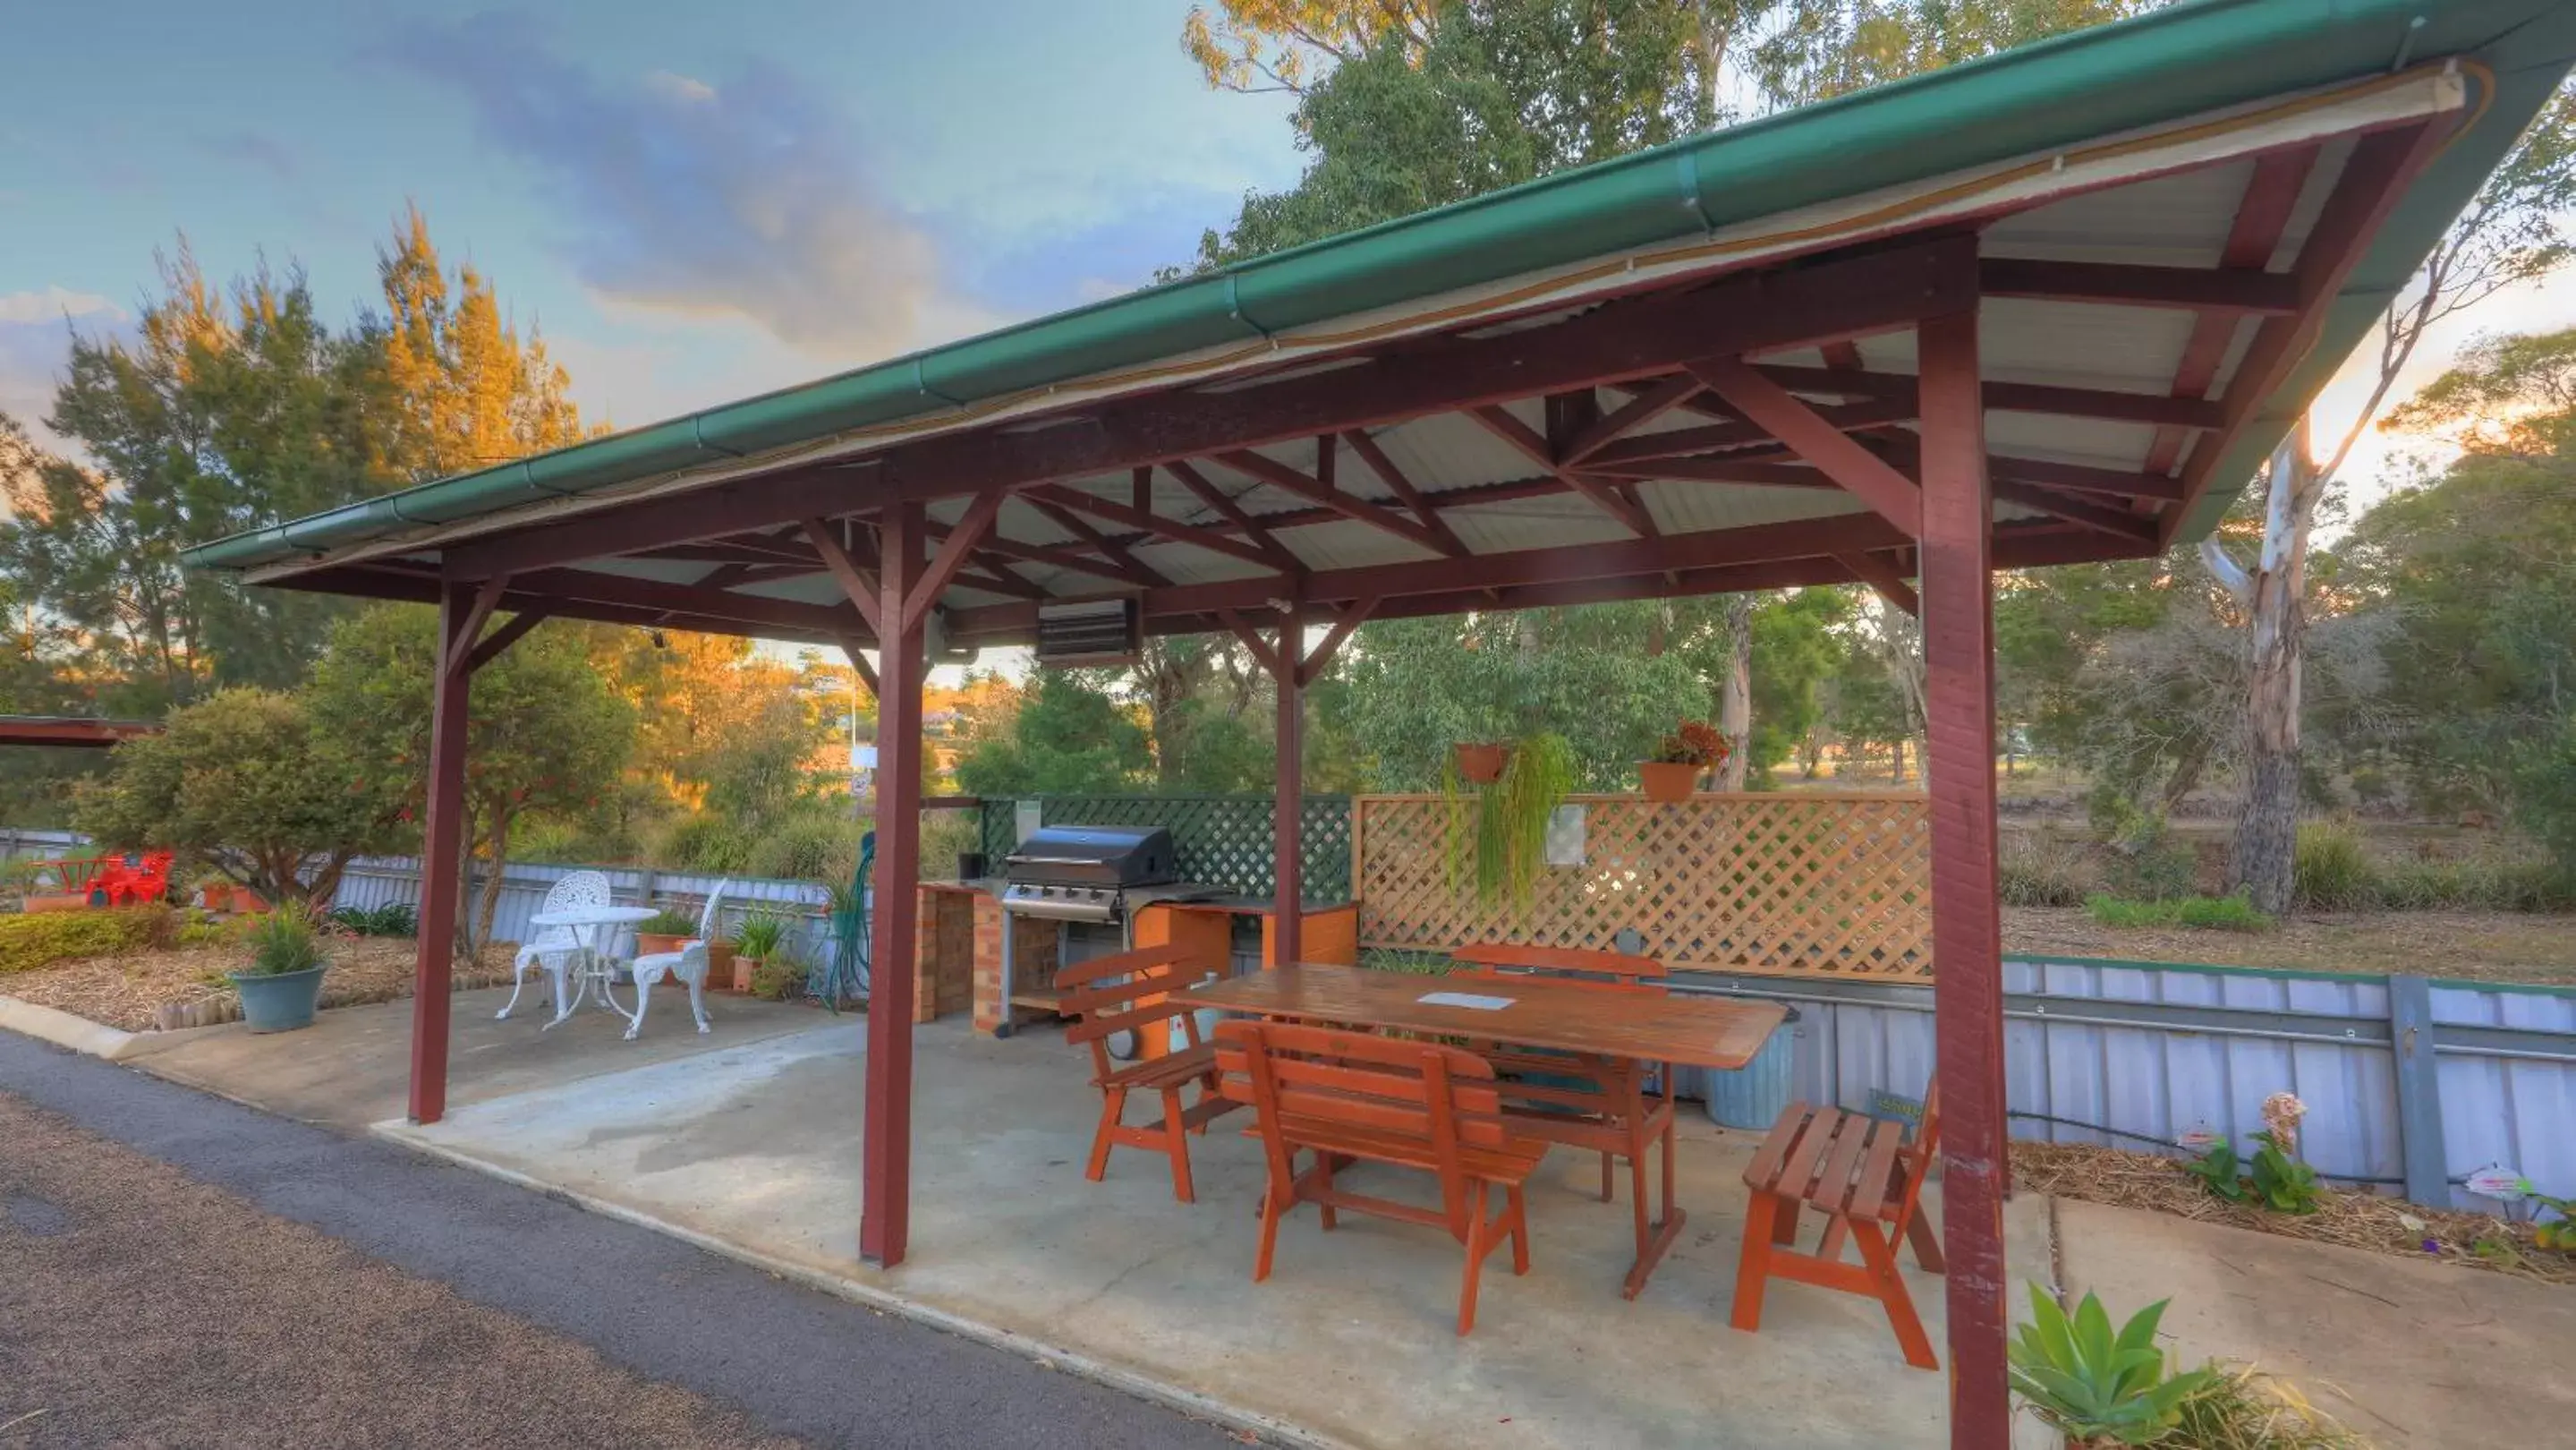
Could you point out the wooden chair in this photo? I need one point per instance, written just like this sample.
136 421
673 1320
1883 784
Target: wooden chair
1351 1096
1138 991
1867 1178
1587 1102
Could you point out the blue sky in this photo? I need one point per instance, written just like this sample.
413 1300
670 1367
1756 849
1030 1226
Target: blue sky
692 201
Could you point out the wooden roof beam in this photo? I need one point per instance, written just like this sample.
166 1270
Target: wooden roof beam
1374 455
1318 490
1623 510
1206 491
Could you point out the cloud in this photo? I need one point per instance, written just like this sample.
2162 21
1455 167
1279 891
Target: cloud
750 199
35 342
250 148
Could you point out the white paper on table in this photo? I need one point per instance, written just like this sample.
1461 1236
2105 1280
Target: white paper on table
1465 999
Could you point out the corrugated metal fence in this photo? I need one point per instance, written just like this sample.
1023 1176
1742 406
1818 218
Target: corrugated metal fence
375 881
2410 1084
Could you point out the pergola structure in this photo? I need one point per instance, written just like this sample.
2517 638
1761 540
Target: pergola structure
2046 308
76 732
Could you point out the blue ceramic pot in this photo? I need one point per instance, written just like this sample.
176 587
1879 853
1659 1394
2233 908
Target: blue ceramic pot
280 1003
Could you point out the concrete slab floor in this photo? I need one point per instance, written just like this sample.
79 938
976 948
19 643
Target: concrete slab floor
1352 1339
352 1067
2408 1353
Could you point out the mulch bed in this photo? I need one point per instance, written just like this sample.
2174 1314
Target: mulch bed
2353 1218
2499 946
130 990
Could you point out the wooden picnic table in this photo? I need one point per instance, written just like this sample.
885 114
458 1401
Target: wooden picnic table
1690 1031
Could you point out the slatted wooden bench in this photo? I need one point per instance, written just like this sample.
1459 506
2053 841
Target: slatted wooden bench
1137 992
1865 1176
1349 1097
1585 1101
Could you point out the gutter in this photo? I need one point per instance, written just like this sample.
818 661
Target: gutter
2177 62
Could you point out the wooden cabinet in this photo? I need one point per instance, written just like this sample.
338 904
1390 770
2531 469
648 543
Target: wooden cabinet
1331 933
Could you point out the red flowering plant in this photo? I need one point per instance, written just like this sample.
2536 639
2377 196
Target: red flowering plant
1696 743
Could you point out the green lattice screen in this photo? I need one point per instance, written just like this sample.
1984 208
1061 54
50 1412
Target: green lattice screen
1222 840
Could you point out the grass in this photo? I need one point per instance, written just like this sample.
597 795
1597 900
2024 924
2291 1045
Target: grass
2204 913
2487 945
1409 962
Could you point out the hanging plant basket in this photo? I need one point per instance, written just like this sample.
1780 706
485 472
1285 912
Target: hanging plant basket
1668 782
1481 763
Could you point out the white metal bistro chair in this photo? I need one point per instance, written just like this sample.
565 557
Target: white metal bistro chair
689 964
556 948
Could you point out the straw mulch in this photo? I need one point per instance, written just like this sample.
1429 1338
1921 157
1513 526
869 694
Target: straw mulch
128 990
2351 1217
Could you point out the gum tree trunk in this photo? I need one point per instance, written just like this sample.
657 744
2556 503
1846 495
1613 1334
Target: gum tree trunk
2273 597
1735 696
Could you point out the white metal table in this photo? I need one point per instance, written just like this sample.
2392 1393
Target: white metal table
593 927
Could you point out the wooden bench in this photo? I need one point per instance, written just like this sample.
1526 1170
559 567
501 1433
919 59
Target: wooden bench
1586 1101
1351 1097
1138 992
1867 1179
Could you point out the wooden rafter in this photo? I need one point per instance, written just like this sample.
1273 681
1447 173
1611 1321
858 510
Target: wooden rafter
1868 477
950 556
1891 408
1317 490
1152 523
1117 551
1374 455
2191 289
858 584
2262 215
1605 496
2116 522
1320 658
1206 492
1882 576
1640 410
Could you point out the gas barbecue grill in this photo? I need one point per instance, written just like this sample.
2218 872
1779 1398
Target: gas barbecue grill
1085 874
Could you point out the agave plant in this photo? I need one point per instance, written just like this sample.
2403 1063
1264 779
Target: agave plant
2094 1384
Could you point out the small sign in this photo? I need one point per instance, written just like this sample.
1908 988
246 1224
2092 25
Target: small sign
2197 1138
2497 1182
1565 844
1465 999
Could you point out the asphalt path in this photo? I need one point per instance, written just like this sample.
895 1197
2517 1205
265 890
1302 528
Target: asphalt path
180 1270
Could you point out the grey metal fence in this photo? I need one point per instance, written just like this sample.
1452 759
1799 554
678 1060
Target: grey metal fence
2411 1085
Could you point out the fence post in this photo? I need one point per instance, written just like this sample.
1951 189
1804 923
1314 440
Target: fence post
2419 1090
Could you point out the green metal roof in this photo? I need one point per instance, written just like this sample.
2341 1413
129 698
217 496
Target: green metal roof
2178 62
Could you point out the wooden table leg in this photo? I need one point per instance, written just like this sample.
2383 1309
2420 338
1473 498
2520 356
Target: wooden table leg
1660 1235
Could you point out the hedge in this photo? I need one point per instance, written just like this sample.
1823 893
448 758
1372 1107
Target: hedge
38 939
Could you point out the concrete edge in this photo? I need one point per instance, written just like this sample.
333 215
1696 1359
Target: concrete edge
65 1029
1267 1429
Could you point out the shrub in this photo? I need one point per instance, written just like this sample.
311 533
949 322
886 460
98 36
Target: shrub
707 843
760 934
29 942
2240 1407
2330 871
779 977
810 847
2477 884
667 922
2044 871
394 918
2544 802
2214 913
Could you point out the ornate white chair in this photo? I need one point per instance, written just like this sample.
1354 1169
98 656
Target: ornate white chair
689 964
556 948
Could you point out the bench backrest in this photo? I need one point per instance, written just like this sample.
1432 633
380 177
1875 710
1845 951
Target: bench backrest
1423 1097
1560 962
1129 992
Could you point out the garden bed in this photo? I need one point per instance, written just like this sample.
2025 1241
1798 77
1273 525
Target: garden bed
130 989
2354 1218
2495 946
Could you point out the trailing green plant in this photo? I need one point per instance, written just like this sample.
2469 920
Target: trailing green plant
2329 869
31 941
2220 1171
287 939
667 922
1406 961
2093 1383
781 975
2234 912
759 934
1498 833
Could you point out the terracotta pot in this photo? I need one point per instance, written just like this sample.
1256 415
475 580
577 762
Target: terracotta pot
57 901
1481 764
1668 782
654 943
217 895
743 967
722 967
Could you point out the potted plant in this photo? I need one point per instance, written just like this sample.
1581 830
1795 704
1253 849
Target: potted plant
1680 760
215 891
754 942
283 982
1479 762
663 931
1499 830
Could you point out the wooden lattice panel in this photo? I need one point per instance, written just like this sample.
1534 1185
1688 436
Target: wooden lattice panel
1223 841
1793 883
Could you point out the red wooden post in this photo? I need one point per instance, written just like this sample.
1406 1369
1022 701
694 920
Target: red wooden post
1289 866
1967 933
442 825
885 1185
